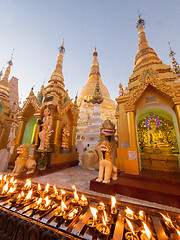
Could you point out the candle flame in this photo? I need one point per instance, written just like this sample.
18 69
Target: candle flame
83 198
29 195
55 189
178 232
1 177
141 213
63 192
129 211
47 201
28 183
21 194
167 219
105 216
103 220
47 187
130 225
71 214
74 188
12 189
102 204
5 178
39 201
39 187
12 180
113 202
94 213
76 197
5 188
63 206
146 231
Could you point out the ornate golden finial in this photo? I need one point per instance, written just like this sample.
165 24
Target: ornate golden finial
95 65
140 20
175 64
121 90
95 52
31 92
97 96
75 100
61 48
10 63
4 81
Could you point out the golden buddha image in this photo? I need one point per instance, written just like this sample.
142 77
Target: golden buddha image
156 135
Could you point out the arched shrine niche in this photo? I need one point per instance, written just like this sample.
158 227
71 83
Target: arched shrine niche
29 131
157 140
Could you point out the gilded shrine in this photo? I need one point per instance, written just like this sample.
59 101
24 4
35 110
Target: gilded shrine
148 114
42 119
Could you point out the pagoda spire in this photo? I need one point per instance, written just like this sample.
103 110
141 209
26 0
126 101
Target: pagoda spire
145 52
97 96
57 75
5 78
175 64
95 64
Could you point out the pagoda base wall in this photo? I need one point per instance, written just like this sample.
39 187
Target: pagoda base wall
162 162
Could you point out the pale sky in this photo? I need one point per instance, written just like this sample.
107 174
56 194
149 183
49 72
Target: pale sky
36 28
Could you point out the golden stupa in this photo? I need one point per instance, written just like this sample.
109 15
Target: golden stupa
107 107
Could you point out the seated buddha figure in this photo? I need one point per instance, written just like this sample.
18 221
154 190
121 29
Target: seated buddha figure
156 139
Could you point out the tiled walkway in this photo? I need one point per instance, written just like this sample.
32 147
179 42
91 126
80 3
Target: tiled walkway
81 178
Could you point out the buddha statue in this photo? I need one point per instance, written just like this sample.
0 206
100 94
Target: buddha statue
156 142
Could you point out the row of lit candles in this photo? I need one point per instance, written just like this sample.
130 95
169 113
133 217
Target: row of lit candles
43 203
146 233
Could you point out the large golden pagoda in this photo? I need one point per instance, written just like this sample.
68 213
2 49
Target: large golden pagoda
148 114
107 107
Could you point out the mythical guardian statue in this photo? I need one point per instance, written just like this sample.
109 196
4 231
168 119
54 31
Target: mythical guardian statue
91 158
23 161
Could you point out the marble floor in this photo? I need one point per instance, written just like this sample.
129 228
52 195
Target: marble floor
81 178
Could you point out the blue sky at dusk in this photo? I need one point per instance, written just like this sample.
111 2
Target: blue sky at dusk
35 29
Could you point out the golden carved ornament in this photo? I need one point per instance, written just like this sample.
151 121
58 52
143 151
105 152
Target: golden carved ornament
155 82
31 99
